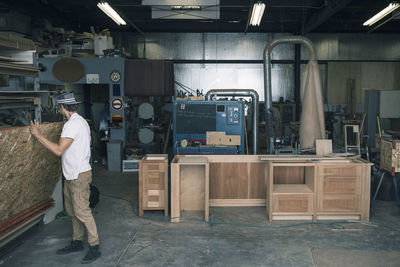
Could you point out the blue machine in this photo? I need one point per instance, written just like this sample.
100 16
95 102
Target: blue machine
192 119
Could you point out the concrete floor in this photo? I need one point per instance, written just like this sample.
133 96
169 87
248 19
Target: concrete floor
237 237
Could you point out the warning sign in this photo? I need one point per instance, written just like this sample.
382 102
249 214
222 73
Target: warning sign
116 103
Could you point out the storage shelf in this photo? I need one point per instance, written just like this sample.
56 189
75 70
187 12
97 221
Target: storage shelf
3 92
18 69
291 189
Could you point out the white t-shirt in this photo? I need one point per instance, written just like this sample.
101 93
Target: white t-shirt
75 158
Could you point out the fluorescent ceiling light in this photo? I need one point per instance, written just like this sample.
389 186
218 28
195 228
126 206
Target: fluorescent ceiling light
106 8
257 13
185 8
389 9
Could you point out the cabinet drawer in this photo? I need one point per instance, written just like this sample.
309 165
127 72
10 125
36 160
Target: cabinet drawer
339 203
349 171
158 167
153 180
292 203
153 199
341 185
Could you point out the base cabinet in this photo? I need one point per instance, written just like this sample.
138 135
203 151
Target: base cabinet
153 183
318 190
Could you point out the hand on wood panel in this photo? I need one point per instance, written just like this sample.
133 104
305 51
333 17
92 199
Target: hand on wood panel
34 128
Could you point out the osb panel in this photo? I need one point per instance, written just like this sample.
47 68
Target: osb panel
28 171
390 157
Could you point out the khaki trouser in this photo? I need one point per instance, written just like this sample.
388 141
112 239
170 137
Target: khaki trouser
76 198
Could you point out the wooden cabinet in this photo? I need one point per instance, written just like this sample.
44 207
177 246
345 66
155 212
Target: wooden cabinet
340 189
318 190
291 190
153 183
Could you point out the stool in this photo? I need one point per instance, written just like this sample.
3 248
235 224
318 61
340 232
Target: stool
379 186
356 130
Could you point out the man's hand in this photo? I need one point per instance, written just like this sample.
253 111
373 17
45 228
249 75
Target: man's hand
34 128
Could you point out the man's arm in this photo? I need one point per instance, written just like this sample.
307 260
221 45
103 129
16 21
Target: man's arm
57 149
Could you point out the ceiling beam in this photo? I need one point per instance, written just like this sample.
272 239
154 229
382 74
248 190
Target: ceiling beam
322 15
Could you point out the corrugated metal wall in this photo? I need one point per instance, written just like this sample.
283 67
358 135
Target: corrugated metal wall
240 47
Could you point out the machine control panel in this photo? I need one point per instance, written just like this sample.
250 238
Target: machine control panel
232 115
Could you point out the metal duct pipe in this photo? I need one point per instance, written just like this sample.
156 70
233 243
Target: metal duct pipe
241 92
267 77
267 62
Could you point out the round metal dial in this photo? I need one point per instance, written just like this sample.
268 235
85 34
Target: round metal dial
115 76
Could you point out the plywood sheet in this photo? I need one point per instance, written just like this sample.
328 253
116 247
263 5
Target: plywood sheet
192 189
28 171
258 182
229 181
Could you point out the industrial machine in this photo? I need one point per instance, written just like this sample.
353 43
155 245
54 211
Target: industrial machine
192 120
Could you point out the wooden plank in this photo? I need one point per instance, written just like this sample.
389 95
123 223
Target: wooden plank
200 160
257 180
292 189
237 202
21 216
156 157
140 187
207 194
365 192
338 217
270 189
292 218
166 204
20 226
216 181
175 193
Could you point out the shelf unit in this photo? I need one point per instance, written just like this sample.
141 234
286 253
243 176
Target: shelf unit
17 99
291 193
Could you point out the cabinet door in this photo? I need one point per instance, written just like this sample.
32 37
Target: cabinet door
339 188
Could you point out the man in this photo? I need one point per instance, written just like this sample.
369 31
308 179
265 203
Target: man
74 149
